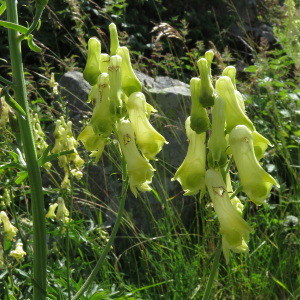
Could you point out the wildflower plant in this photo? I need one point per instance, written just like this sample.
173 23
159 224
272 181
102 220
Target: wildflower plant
232 138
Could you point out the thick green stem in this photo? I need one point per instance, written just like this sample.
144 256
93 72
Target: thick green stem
213 272
34 175
109 243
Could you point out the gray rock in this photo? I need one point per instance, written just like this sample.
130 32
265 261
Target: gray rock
172 100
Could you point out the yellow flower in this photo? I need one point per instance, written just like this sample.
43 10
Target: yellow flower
62 212
92 67
149 141
255 181
260 144
51 212
191 173
18 253
234 113
235 231
9 229
101 120
199 117
140 172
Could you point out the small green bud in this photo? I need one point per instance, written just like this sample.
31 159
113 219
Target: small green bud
206 89
114 40
199 119
209 56
92 67
230 71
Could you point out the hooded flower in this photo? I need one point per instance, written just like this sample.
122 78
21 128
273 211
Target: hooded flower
101 120
235 231
199 119
234 113
255 181
62 213
148 140
51 212
9 229
206 88
92 67
140 172
191 173
18 253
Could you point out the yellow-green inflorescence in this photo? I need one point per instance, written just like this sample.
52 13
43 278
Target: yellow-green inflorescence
120 107
232 137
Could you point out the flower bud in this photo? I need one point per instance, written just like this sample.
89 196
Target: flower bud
149 141
209 56
104 62
92 67
130 83
206 89
191 173
140 172
234 113
230 71
255 181
235 231
114 40
199 119
217 144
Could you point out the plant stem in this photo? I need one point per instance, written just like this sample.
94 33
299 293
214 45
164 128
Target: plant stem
68 240
213 272
109 243
34 175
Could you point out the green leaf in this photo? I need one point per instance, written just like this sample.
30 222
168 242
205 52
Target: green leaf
22 176
14 26
43 159
250 69
13 103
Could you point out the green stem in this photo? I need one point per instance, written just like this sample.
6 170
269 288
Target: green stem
213 272
34 175
109 243
68 241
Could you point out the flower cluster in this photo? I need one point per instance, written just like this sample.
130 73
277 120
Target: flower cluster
58 211
120 105
232 135
4 112
39 138
65 141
